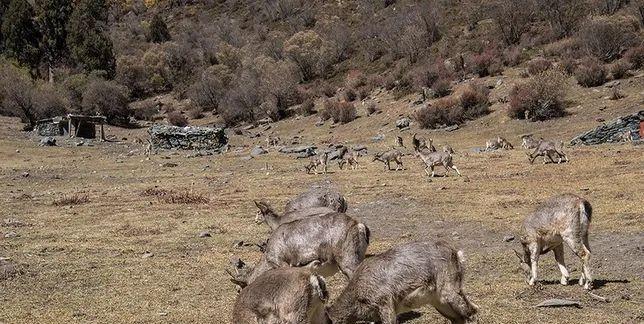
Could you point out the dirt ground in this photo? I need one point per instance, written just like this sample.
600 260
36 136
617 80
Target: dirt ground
123 257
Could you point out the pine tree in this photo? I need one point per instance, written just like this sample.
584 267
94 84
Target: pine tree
20 33
52 17
88 44
158 30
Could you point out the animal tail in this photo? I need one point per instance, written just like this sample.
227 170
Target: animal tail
318 285
585 212
364 231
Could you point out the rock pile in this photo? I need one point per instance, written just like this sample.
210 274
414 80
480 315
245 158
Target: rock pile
612 131
188 138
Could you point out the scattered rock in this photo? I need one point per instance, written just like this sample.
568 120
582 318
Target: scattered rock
12 222
11 234
378 138
612 131
81 143
204 234
17 151
24 174
48 141
508 238
600 120
258 150
246 158
403 123
556 302
297 149
451 128
188 138
612 84
147 254
169 165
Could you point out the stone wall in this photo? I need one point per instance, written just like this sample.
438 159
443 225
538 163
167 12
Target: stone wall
612 131
187 138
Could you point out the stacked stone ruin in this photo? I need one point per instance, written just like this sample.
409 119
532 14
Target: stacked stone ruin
188 138
612 131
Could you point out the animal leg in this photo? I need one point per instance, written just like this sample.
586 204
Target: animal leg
582 251
387 314
534 260
456 169
432 168
559 256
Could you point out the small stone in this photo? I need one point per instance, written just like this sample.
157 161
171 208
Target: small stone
403 123
258 150
451 128
508 238
25 174
17 151
81 143
169 165
11 234
238 244
378 138
204 234
600 120
440 188
163 313
454 233
147 255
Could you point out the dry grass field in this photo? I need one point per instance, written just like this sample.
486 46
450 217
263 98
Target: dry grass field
91 247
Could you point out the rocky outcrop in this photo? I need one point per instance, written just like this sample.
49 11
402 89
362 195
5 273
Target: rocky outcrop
188 138
612 131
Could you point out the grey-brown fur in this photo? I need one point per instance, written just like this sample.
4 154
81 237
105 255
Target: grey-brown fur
421 144
285 295
387 157
318 161
266 214
435 159
560 219
404 278
529 142
548 149
349 157
335 241
318 197
498 143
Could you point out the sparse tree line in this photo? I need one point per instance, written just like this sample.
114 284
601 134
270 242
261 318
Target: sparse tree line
274 58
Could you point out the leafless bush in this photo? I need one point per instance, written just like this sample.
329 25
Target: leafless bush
563 16
485 63
604 38
349 94
146 110
538 65
442 87
635 56
75 199
590 73
474 99
340 111
372 108
174 197
568 65
513 56
312 54
608 7
619 69
209 90
195 113
434 76
16 94
444 111
513 18
307 108
106 98
176 118
540 98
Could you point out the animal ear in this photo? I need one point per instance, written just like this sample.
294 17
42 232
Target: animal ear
263 206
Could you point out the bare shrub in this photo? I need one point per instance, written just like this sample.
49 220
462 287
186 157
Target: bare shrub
513 18
75 199
538 65
608 7
635 56
442 87
340 111
16 94
349 94
106 98
563 16
209 90
146 110
513 56
485 63
372 108
176 118
312 54
307 107
444 111
474 99
175 197
604 38
195 113
435 76
540 98
619 69
568 65
48 101
590 73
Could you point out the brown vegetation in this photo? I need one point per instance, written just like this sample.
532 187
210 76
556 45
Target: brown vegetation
75 199
540 98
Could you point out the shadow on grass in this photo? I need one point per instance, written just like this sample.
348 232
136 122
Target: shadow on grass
403 318
597 283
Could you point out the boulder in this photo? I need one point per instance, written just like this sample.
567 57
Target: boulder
403 123
378 138
297 149
258 150
612 131
188 138
48 141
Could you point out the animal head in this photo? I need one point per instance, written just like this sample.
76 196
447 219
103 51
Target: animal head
376 157
264 210
239 274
